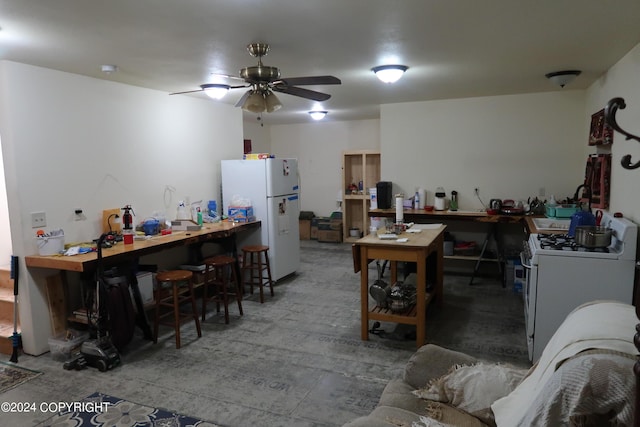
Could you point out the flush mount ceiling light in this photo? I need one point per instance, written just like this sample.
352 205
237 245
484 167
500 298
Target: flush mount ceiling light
214 90
562 78
318 115
389 73
109 68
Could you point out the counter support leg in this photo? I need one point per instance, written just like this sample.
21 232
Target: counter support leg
492 232
364 295
421 308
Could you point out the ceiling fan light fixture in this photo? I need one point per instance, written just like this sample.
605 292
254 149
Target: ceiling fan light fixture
255 103
215 90
272 103
318 115
563 78
389 73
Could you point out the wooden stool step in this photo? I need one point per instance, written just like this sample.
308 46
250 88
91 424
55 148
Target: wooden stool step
255 262
220 277
172 289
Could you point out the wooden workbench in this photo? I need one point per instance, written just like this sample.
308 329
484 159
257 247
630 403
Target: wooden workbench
223 233
426 250
121 252
490 223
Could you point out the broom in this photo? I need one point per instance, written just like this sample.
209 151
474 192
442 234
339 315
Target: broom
16 336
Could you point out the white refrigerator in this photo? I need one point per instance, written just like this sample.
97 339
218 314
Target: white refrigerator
272 186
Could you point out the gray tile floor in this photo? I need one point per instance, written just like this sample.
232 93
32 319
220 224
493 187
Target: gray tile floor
296 360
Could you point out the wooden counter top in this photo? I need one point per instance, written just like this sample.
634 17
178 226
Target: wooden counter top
481 216
120 252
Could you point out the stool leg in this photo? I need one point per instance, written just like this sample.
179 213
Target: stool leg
176 313
156 321
266 257
205 298
196 318
224 283
252 268
238 290
260 280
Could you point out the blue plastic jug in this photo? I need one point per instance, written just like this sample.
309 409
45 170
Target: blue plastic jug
151 227
580 218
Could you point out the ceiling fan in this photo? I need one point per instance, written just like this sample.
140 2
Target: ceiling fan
263 81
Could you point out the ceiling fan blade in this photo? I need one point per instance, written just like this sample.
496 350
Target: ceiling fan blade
311 80
188 91
303 93
243 98
227 76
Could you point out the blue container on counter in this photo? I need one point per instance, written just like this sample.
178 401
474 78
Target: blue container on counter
151 227
581 218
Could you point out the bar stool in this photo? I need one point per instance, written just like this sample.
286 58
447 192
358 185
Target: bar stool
173 288
220 274
253 264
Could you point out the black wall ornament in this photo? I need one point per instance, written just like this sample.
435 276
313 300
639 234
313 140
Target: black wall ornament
610 118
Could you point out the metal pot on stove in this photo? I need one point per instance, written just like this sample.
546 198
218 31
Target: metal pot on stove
593 236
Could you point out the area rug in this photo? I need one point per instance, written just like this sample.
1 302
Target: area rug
12 376
108 411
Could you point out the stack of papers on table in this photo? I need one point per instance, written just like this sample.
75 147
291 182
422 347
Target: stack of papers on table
388 236
424 227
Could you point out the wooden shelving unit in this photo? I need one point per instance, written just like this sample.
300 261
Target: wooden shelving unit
357 166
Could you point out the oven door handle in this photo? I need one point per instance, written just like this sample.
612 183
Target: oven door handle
522 261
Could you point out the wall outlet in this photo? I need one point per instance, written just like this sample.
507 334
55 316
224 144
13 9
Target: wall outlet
38 219
542 192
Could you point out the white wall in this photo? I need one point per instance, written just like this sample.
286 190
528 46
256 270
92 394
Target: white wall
5 230
318 147
72 142
259 135
509 147
621 80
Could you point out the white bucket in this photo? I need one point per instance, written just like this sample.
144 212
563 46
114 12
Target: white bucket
50 245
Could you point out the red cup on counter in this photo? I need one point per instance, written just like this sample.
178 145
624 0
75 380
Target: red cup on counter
128 238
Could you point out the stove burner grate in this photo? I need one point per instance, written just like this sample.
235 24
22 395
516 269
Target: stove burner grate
563 242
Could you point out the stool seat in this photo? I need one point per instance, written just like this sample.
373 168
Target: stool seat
255 248
173 288
220 274
174 275
255 262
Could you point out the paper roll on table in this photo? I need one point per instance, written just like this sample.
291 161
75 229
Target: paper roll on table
399 209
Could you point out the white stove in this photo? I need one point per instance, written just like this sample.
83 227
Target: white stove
623 242
561 275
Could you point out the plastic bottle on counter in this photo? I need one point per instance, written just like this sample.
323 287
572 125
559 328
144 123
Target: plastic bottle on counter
416 200
440 199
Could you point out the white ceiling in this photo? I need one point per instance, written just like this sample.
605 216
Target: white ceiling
454 48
